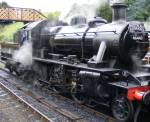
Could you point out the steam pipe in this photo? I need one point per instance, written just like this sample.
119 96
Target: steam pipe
101 52
82 42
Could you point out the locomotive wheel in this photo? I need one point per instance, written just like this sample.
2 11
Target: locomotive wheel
122 109
78 95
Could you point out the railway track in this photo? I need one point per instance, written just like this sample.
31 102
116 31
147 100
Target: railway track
44 110
13 110
10 108
29 104
48 107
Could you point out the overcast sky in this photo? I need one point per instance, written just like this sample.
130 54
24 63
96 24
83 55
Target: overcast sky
48 5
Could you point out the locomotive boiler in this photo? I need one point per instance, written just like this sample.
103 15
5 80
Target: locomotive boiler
96 62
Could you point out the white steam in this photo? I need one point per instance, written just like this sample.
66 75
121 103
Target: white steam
147 25
85 8
24 54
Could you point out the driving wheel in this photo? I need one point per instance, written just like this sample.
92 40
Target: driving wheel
122 109
77 94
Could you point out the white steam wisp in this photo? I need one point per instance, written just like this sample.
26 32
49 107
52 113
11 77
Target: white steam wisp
85 8
24 54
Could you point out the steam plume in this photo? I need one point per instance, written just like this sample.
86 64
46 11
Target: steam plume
24 54
85 8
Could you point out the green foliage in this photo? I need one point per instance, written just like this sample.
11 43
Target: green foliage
7 31
4 4
129 2
53 15
138 9
105 11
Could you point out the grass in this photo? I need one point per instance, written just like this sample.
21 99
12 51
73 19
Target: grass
2 65
8 31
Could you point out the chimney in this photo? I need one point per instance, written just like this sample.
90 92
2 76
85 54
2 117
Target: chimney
119 11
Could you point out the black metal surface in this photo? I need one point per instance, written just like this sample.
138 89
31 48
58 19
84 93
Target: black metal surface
57 104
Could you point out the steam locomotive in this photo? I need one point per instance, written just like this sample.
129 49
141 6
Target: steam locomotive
95 61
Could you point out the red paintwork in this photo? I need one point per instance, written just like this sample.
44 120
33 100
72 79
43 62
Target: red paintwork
137 93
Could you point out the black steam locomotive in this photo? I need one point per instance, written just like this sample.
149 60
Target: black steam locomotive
95 61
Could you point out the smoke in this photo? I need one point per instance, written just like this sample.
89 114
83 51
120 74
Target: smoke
85 8
24 54
147 25
137 62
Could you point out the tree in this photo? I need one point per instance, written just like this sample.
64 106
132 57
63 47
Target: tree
129 2
4 4
53 15
105 11
138 9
